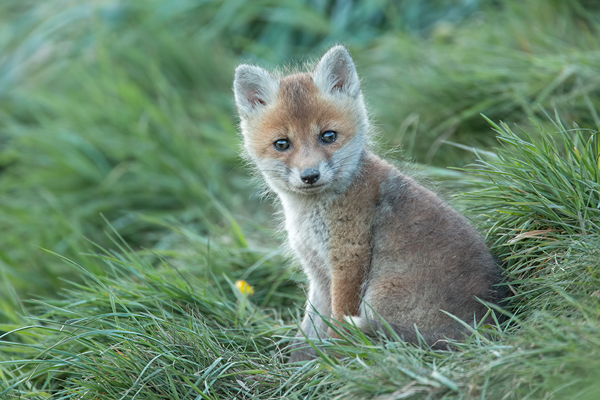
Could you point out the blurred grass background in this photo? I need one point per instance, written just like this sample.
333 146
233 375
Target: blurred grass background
125 108
119 115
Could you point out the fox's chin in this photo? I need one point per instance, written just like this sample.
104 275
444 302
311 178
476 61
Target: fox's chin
309 189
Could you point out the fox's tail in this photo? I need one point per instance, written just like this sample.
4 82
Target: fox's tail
434 339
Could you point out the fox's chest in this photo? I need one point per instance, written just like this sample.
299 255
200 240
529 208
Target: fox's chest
308 233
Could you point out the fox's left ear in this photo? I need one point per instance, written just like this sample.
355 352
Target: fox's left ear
336 72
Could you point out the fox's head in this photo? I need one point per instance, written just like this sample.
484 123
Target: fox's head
305 132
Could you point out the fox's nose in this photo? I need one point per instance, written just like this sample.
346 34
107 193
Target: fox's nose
310 176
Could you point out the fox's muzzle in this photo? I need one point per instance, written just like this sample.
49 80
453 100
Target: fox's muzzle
310 176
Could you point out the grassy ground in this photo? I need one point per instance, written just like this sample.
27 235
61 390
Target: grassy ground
127 215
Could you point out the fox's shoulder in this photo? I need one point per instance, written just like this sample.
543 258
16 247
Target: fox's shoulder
373 178
379 188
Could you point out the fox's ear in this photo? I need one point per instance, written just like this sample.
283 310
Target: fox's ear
336 72
254 88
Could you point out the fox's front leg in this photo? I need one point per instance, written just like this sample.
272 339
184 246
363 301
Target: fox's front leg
350 254
350 258
313 326
317 308
350 266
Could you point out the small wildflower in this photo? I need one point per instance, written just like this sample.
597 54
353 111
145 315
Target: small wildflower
244 288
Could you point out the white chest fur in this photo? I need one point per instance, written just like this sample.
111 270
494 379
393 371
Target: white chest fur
308 234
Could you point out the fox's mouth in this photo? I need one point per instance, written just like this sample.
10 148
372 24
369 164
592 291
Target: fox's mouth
310 188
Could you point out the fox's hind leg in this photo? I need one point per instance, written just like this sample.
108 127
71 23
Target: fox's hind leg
410 307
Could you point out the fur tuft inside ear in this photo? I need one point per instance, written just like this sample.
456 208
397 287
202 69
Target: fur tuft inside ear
253 88
336 72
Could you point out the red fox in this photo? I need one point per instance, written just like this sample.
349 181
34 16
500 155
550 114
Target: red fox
373 242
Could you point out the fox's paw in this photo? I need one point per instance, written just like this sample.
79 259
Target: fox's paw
359 322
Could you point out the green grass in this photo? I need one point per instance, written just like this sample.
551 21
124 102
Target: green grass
541 207
126 214
504 64
171 323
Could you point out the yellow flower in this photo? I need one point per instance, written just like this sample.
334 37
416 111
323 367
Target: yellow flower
244 287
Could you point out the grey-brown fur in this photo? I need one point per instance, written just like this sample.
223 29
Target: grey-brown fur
373 242
428 258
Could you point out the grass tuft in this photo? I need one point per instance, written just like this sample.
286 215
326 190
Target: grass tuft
541 205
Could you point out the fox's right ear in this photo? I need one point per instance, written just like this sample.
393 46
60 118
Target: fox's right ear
254 88
336 73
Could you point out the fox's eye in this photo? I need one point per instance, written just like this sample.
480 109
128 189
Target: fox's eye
281 144
328 137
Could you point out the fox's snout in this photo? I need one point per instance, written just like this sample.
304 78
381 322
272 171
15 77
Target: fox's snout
310 176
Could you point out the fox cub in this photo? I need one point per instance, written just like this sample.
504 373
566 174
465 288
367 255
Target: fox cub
373 242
